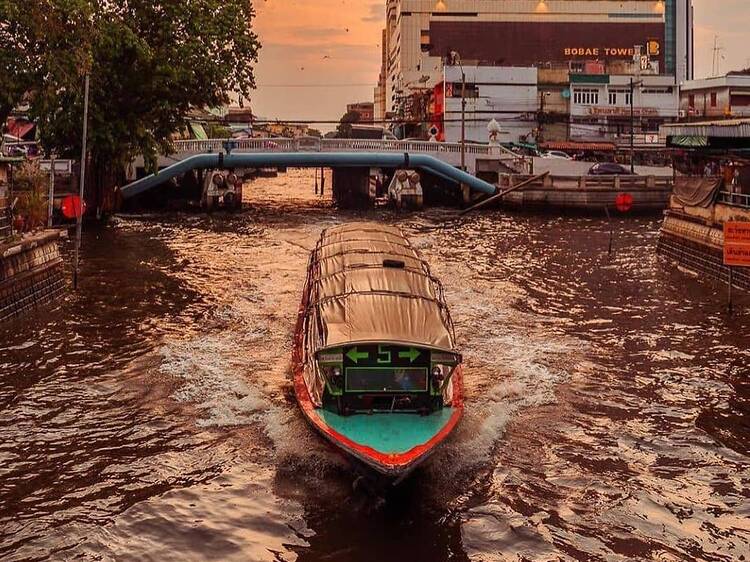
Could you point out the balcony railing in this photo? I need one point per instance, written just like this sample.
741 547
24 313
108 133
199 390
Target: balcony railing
735 199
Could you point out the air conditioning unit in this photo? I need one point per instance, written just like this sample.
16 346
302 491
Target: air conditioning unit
682 114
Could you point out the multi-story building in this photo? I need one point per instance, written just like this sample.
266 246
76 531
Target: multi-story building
506 94
607 107
559 37
365 110
722 96
379 94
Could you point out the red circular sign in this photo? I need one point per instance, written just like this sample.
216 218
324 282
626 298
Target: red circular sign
624 202
71 207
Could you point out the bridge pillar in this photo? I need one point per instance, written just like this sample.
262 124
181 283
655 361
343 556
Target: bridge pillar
351 187
465 194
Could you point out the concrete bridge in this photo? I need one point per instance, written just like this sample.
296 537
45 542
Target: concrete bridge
479 158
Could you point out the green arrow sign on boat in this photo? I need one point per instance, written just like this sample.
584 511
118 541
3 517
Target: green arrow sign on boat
355 356
411 355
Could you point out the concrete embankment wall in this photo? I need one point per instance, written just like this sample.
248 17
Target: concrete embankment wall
31 274
588 193
693 238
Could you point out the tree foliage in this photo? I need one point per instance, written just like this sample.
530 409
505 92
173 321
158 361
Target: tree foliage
150 61
344 129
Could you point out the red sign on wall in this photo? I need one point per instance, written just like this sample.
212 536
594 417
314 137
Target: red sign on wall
737 244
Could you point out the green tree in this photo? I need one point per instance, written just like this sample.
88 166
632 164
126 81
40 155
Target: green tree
314 133
344 129
150 62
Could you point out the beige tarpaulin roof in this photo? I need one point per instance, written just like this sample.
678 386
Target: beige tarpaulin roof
355 298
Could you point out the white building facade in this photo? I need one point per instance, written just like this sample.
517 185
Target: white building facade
421 34
718 97
600 107
506 94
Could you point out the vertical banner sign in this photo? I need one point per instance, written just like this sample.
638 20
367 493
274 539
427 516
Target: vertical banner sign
737 244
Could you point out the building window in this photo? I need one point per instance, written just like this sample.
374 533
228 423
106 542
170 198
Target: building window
425 40
613 98
586 96
628 97
691 101
577 67
714 99
472 91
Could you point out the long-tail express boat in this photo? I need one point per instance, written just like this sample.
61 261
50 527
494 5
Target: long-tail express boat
376 370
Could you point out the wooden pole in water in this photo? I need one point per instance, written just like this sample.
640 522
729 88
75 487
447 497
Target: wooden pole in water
611 230
79 214
504 193
729 303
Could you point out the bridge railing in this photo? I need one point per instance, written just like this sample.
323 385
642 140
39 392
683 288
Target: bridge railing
306 144
442 150
593 183
735 199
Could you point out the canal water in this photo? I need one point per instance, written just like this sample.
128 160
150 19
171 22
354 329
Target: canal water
150 416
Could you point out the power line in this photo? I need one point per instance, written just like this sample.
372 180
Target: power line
350 85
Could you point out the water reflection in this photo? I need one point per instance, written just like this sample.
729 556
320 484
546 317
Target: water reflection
150 415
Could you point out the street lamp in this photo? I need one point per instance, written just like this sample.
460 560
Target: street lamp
540 134
456 59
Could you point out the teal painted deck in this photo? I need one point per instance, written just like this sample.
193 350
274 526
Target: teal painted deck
388 433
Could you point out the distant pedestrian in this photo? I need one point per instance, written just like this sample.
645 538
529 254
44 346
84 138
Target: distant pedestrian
736 181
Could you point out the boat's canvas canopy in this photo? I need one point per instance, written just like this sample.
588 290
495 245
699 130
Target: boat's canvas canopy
367 284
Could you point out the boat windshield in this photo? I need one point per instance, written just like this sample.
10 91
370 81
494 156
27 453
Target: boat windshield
373 379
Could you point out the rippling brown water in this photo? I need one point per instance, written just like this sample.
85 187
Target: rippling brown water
149 416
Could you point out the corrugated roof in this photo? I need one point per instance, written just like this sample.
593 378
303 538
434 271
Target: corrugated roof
572 146
730 128
356 296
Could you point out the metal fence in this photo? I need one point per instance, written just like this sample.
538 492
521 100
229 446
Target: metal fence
735 199
313 144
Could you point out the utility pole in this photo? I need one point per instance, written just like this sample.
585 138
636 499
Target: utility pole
463 119
51 198
633 84
79 213
716 67
632 127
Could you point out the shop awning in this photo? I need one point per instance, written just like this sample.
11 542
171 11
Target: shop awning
198 132
579 146
689 141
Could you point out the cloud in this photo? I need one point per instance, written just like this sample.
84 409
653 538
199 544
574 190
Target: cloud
376 13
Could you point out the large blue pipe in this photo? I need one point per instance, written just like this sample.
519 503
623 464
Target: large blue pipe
309 160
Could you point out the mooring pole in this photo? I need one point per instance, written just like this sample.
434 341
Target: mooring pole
611 230
79 211
729 300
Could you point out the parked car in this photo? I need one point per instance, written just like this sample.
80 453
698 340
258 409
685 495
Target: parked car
556 154
609 169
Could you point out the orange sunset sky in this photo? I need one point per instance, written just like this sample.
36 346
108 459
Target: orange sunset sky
319 55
